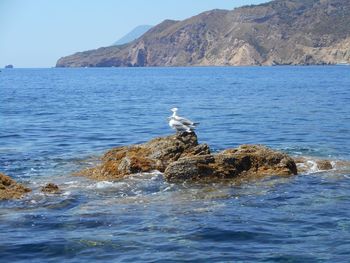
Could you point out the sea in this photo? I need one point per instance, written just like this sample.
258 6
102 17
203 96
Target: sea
57 121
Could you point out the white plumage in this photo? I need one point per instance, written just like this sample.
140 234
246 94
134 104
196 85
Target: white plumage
181 124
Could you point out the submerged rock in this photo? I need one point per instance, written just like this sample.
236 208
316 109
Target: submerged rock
156 154
247 160
324 165
9 189
51 188
181 158
312 165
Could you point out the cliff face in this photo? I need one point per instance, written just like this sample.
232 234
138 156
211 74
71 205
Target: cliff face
279 32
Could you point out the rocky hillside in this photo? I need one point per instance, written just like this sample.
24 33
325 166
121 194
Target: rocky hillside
287 32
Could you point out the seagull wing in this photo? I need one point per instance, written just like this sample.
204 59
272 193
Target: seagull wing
177 125
185 121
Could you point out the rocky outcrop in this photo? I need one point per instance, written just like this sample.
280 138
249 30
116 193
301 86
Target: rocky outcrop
245 161
181 158
51 188
156 154
324 165
9 189
281 32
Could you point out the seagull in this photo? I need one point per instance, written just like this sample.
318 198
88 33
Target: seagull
181 124
178 126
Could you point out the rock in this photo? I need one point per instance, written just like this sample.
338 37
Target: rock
312 165
51 188
9 189
9 66
156 154
181 158
265 160
324 165
247 160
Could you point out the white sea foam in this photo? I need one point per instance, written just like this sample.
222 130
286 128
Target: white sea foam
313 167
309 165
334 164
168 188
67 193
106 185
72 182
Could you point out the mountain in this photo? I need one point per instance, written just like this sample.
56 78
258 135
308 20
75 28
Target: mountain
281 32
133 34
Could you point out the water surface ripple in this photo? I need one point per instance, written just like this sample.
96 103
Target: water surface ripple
57 121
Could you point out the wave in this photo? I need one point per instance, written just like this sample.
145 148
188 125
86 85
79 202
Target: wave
312 165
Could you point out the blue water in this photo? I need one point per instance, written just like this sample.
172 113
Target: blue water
54 122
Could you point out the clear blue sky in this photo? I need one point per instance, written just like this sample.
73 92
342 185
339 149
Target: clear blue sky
35 33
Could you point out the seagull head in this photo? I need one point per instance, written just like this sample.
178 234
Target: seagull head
174 109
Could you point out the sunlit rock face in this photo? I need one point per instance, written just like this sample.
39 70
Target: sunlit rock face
248 161
9 189
181 158
283 32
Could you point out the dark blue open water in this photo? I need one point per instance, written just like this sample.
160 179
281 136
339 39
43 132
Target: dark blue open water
56 121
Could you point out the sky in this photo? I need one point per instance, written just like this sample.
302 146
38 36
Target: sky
36 33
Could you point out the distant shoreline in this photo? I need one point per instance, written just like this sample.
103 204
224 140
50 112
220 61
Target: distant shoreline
251 66
273 33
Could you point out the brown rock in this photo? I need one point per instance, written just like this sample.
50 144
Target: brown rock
247 160
9 189
324 165
310 164
265 160
156 154
181 158
51 188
